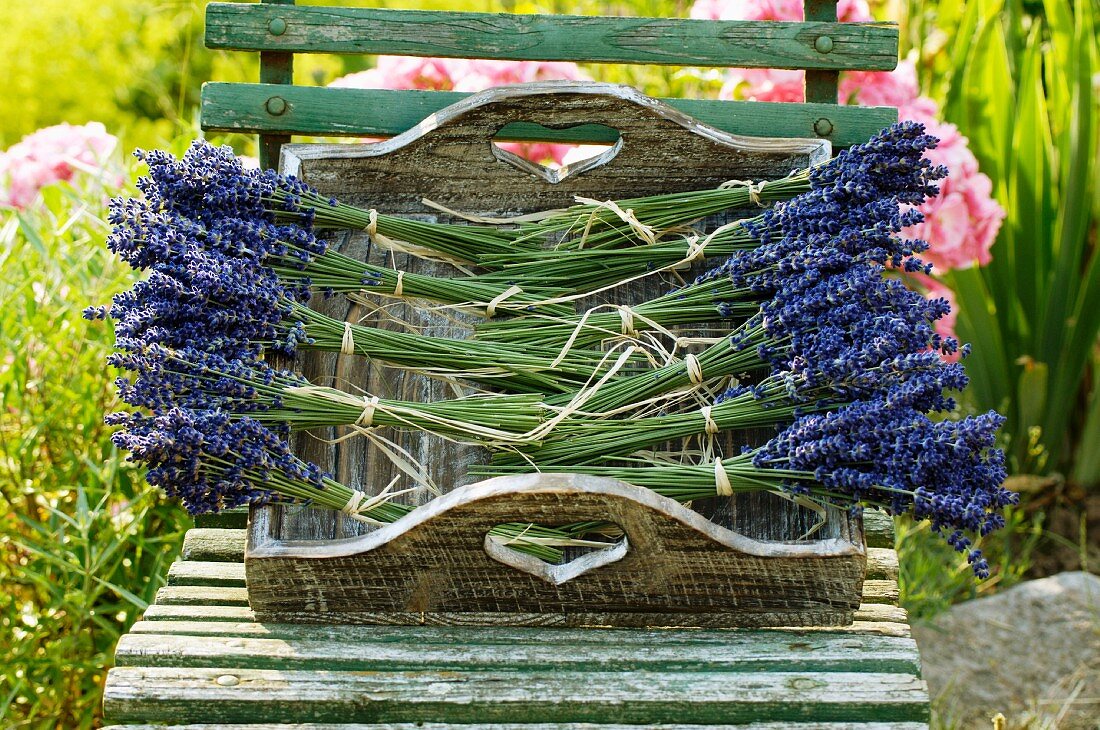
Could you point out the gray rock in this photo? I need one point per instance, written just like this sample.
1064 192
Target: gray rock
1031 652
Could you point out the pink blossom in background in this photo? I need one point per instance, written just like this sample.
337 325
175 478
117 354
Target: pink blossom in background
848 11
933 289
767 84
400 72
764 84
54 154
458 74
962 220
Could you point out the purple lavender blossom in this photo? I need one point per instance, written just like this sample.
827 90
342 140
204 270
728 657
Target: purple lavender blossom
884 452
208 460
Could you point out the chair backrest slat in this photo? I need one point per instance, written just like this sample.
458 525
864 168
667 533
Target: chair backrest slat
664 41
275 109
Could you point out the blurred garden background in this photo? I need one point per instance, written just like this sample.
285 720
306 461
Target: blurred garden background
1012 87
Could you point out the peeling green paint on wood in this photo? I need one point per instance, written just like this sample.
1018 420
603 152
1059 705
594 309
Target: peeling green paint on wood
518 37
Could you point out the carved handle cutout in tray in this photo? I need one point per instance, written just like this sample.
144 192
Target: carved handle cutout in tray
677 567
750 572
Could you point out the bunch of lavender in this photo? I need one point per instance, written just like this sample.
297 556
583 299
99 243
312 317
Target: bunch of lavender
211 461
209 183
879 452
851 215
890 168
201 298
779 398
161 379
816 323
152 233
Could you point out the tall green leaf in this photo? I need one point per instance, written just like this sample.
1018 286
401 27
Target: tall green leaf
1071 321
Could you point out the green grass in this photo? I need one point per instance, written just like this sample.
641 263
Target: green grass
934 577
84 543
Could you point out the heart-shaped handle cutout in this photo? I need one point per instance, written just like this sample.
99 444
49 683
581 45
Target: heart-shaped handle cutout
498 550
555 157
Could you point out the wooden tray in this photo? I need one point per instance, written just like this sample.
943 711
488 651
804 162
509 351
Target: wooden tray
742 564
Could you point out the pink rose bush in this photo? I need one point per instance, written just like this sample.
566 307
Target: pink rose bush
458 74
55 154
962 221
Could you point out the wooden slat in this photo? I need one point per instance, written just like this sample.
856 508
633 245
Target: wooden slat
344 112
880 591
230 518
665 41
189 595
427 649
206 573
144 694
227 546
878 529
189 612
228 619
881 569
213 544
538 726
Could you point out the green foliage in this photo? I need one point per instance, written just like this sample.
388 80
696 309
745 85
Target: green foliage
933 578
135 65
1021 87
84 542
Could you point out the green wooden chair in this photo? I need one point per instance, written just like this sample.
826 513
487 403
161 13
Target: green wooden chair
200 657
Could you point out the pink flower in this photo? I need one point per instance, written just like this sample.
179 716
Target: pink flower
400 72
945 325
961 222
764 84
881 88
51 155
848 11
458 74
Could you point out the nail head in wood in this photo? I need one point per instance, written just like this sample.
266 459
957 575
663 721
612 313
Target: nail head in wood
276 106
823 127
228 680
277 26
823 44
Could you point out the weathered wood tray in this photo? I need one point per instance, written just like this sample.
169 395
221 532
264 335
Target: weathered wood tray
740 561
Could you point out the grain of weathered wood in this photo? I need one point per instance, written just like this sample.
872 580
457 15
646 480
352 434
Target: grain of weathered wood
538 726
276 67
263 695
384 113
821 85
185 614
882 566
666 41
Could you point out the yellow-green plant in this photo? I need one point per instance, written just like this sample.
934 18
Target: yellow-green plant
84 543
